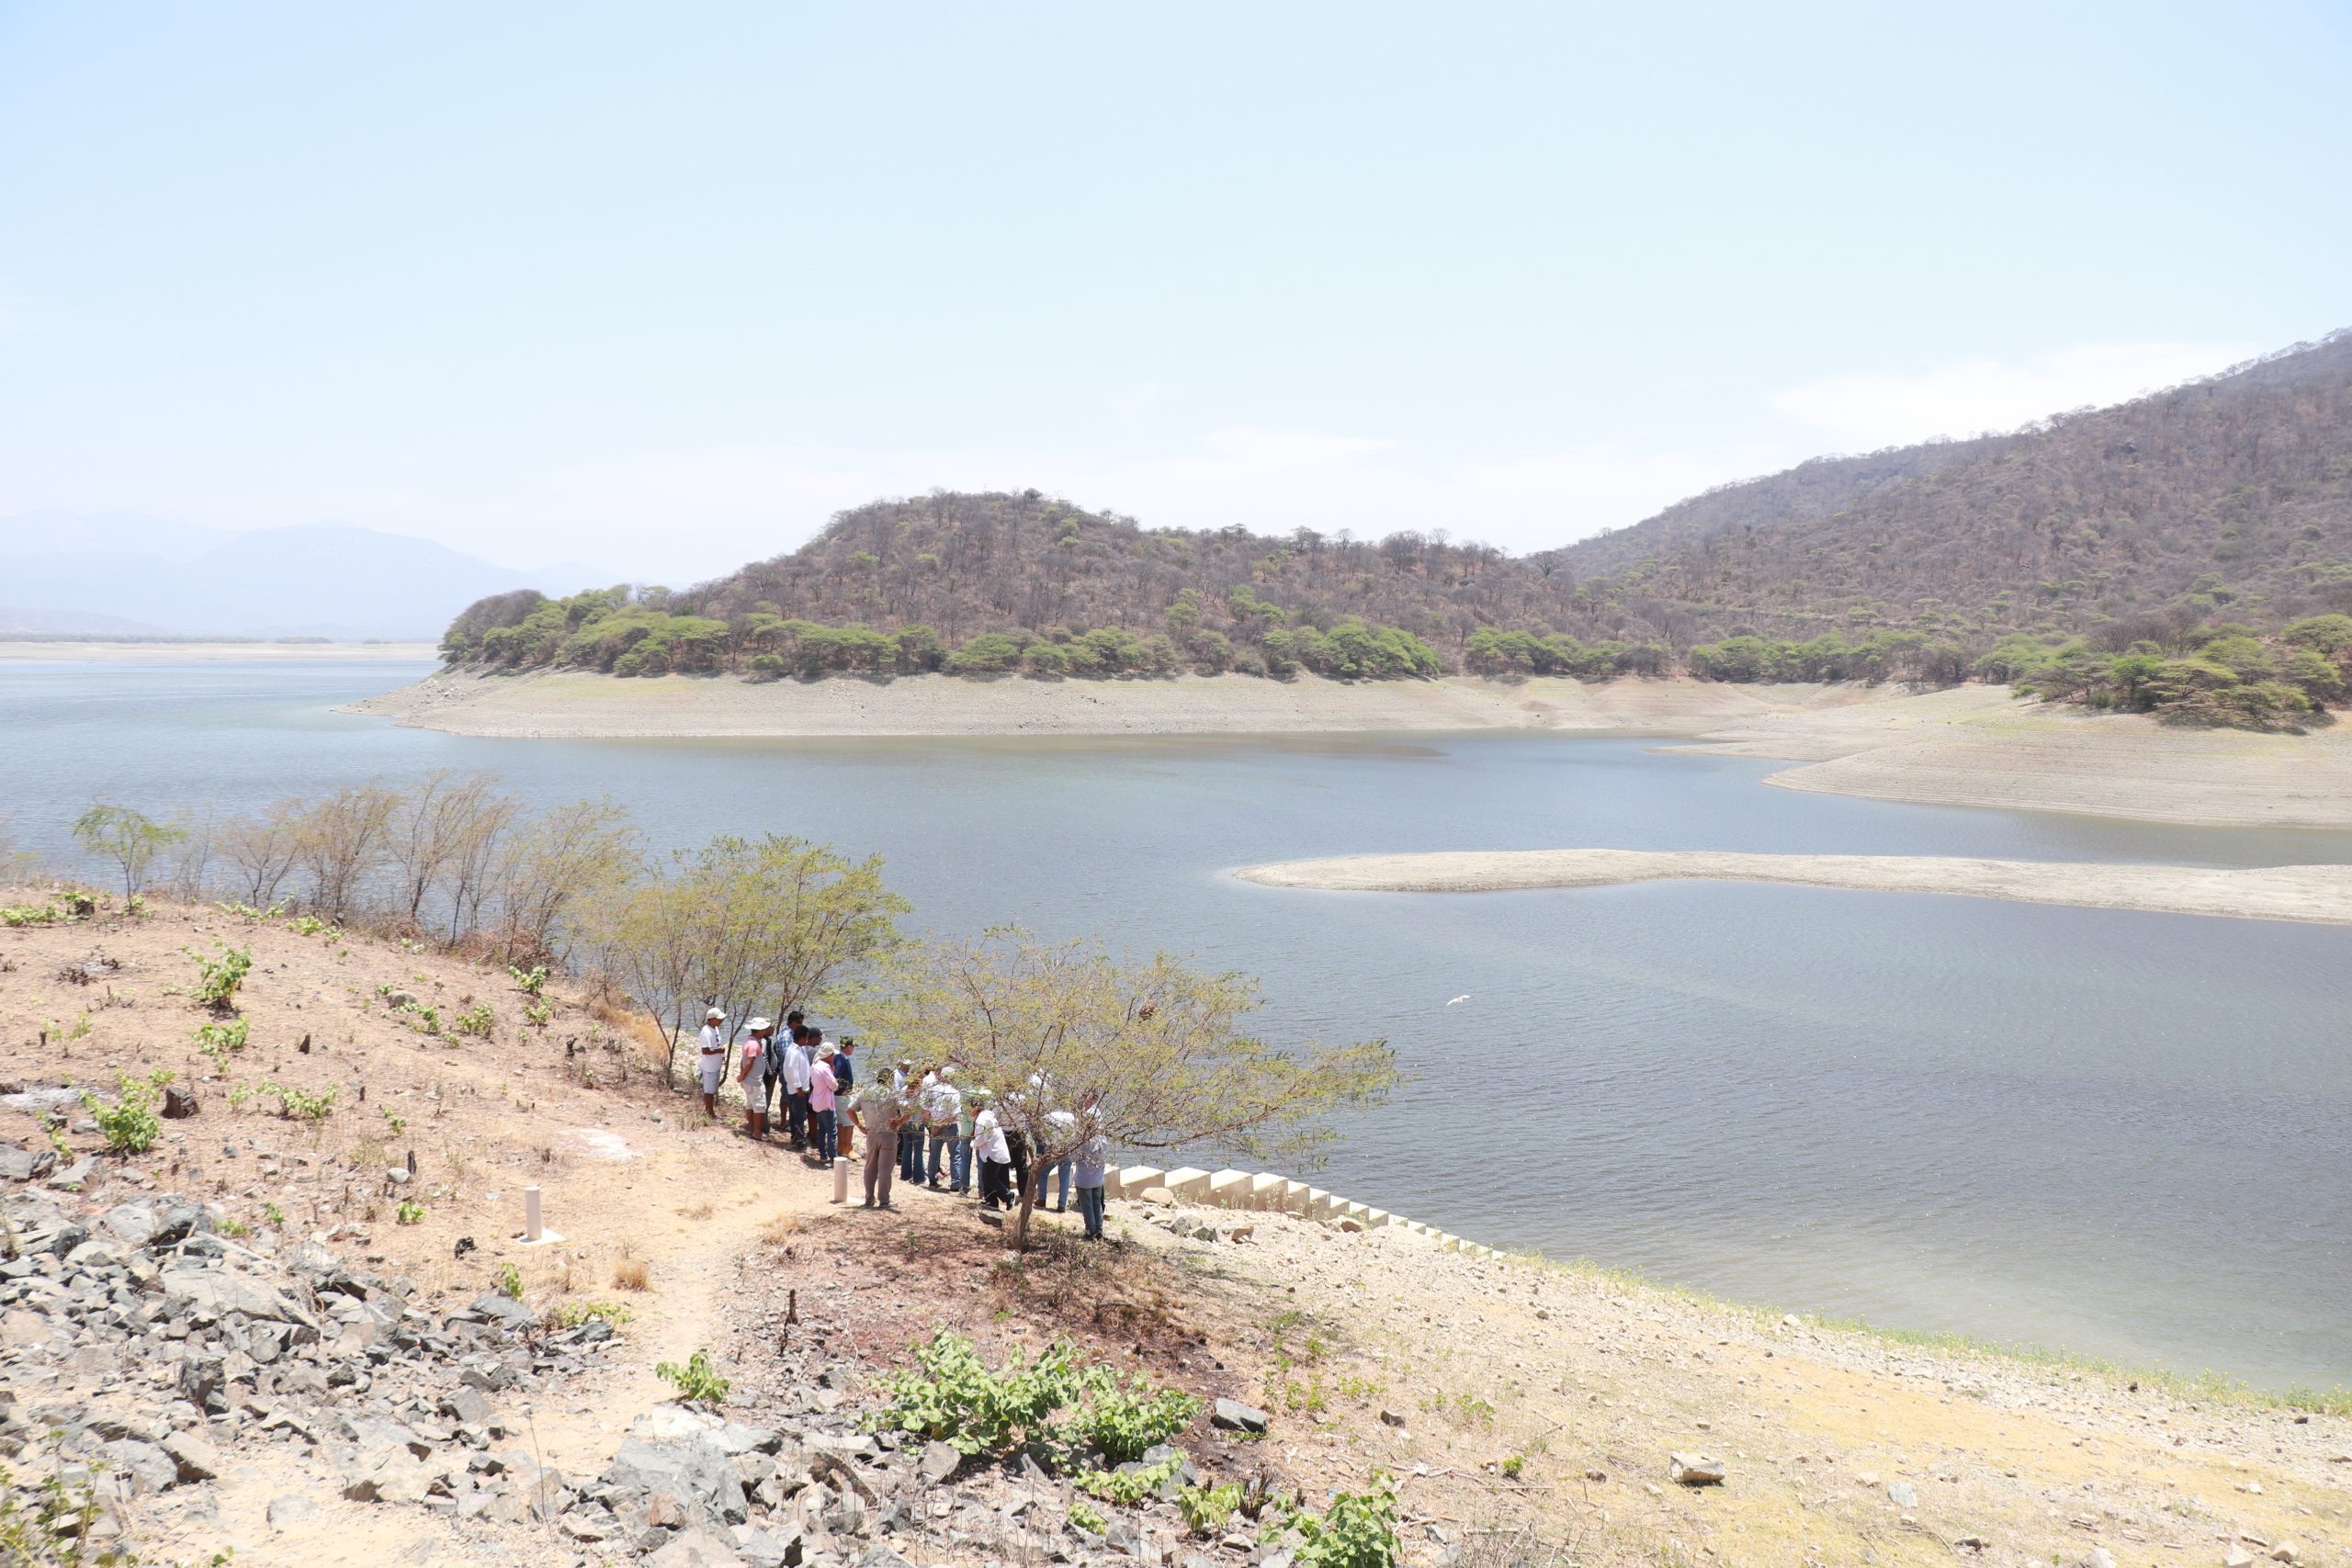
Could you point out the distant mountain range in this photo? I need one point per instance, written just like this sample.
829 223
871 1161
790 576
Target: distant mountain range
120 575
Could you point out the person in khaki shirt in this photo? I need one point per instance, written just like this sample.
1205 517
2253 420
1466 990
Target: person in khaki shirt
879 1111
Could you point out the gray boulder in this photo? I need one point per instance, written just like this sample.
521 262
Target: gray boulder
25 1165
696 1549
698 1474
143 1467
1235 1416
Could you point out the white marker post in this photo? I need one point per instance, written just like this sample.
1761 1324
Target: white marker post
840 1179
535 1231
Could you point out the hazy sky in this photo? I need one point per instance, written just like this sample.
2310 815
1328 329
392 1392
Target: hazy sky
659 287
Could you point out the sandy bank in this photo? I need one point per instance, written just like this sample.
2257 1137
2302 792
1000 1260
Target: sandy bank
574 704
180 652
2322 892
1978 745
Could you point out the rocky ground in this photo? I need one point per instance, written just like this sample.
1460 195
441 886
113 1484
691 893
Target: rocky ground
235 1343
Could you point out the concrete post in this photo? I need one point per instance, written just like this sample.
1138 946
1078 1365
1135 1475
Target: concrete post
534 1231
840 1179
1228 1188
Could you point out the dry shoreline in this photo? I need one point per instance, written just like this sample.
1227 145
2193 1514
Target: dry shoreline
1967 746
2316 893
579 705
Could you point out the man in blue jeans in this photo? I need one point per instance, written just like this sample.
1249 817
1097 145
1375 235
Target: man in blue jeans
941 1107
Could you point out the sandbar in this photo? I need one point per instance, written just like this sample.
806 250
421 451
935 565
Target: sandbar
2316 893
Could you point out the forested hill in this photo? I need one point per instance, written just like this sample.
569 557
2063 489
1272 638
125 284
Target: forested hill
2226 501
2234 492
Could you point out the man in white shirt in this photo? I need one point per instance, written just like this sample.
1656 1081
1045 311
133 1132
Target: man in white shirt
796 1077
713 1065
994 1151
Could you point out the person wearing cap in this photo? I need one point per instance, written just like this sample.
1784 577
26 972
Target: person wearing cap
844 1082
713 1065
943 1106
758 1076
823 1096
910 1082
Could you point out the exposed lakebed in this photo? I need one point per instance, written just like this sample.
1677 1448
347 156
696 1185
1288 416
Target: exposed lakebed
2122 1133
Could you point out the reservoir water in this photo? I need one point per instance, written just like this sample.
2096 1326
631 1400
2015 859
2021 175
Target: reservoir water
2126 1135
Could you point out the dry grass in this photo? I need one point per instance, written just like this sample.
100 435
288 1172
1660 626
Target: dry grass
781 1228
632 1274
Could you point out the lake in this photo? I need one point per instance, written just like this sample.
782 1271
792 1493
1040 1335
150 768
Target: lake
2118 1133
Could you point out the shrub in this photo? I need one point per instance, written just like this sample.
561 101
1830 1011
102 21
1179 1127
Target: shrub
696 1383
510 1282
409 1214
218 977
1128 1488
1088 1518
572 1315
530 982
952 1397
1207 1509
1356 1531
131 1124
1126 1419
299 1105
216 1039
476 1021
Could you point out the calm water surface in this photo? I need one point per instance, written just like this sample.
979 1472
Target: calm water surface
2124 1133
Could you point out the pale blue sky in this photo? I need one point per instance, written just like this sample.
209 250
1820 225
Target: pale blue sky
659 287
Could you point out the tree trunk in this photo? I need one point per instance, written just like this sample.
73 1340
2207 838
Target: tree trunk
1029 1180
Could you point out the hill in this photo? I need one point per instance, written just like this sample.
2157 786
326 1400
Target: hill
2224 500
112 574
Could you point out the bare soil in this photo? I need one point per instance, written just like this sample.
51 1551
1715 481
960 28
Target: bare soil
1587 1381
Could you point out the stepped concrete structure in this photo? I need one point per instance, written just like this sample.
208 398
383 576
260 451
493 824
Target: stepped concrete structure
1270 1191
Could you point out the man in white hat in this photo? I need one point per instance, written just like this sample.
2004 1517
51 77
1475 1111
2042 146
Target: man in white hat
757 1074
713 1065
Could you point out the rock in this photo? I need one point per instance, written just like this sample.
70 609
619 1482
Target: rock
880 1556
698 1474
1348 1224
770 1547
505 1311
197 1458
25 1165
584 1525
293 1505
1159 1195
218 1292
179 1102
2239 1557
77 1176
145 1468
939 1462
2286 1551
400 998
133 1223
696 1549
1695 1470
2100 1557
1391 1418
1903 1495
1235 1416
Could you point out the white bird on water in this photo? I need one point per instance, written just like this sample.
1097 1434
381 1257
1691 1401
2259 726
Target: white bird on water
1463 997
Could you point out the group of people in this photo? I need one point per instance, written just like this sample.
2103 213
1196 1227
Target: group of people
919 1123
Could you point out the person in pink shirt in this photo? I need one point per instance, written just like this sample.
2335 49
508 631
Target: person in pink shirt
821 1106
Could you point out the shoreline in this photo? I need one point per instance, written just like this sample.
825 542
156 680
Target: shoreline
2316 894
575 705
1963 746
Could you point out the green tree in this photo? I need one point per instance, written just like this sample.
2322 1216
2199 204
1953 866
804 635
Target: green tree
131 838
1149 1056
741 920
